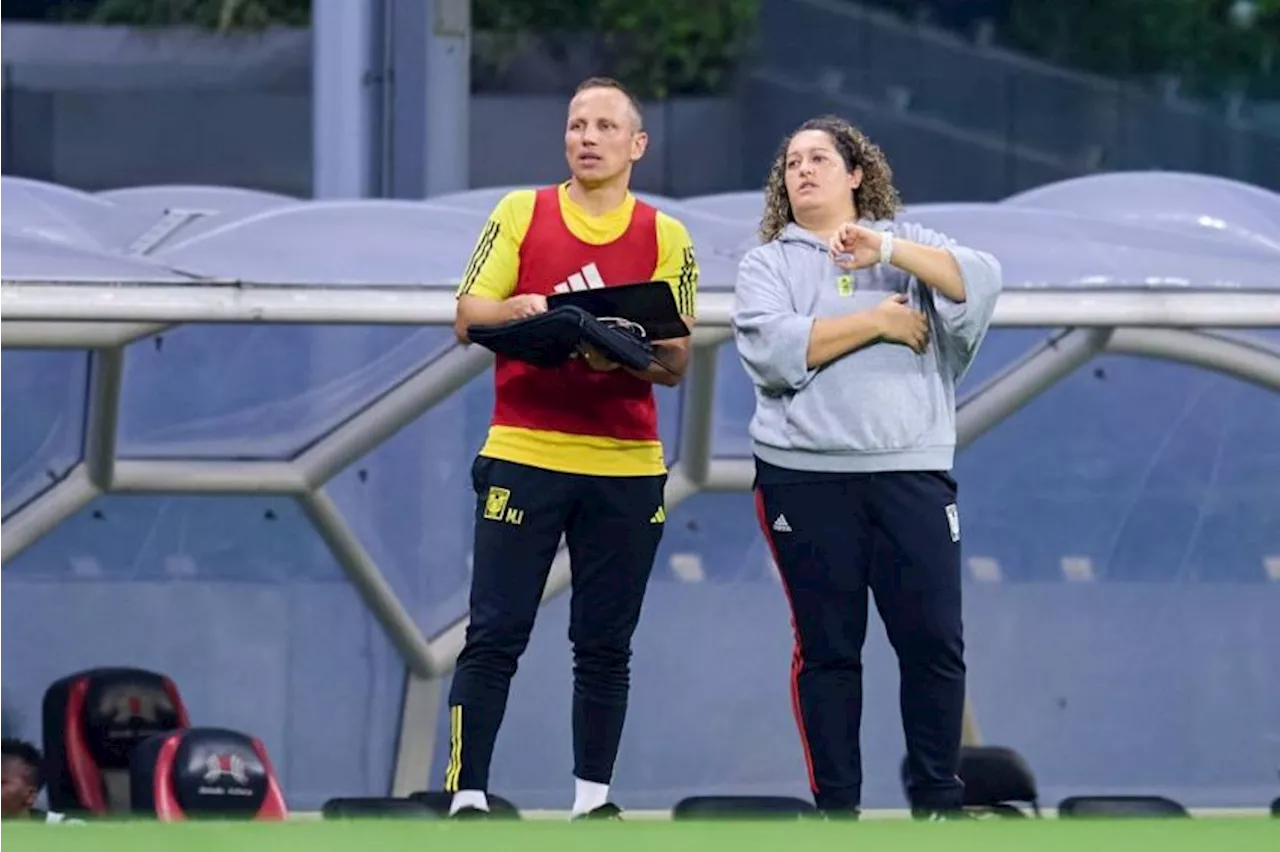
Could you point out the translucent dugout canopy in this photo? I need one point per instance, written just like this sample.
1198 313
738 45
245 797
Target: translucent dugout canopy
486 198
479 200
223 200
339 243
1119 231
1150 230
367 242
1051 248
185 211
26 258
1204 203
63 215
746 205
1147 229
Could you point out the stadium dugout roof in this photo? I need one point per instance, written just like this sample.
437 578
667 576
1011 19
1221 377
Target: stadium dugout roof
1160 265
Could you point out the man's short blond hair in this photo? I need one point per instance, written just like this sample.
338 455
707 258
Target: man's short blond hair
611 83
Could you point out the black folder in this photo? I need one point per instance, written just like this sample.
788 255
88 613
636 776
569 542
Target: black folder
622 322
550 339
649 304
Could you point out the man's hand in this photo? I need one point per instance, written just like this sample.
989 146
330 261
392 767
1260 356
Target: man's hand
855 247
479 310
526 305
899 324
596 360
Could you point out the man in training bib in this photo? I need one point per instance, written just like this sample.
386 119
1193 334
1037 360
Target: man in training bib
571 450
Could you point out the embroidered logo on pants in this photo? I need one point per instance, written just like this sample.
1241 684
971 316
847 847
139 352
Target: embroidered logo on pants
496 507
953 521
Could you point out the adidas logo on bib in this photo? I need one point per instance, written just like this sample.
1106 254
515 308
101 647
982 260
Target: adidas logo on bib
587 278
781 525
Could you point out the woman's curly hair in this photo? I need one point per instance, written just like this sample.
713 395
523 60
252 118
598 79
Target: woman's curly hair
875 197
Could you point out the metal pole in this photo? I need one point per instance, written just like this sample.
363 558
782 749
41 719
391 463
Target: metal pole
344 80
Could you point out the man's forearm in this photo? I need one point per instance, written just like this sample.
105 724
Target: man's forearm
476 310
934 267
673 356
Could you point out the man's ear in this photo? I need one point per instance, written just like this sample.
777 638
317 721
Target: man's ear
639 144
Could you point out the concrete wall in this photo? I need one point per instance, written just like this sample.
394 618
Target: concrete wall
97 107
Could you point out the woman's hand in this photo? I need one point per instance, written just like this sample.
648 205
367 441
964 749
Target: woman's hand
900 324
855 247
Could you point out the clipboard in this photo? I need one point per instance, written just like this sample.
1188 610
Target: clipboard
649 304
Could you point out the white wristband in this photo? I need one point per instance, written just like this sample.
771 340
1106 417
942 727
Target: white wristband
886 247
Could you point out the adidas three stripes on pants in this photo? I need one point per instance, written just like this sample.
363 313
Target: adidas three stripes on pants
836 539
612 526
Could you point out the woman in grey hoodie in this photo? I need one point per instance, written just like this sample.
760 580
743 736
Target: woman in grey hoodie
855 329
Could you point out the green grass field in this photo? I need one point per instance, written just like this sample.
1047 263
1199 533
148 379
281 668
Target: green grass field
1240 834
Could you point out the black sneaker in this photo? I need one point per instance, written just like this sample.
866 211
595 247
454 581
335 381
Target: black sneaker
944 816
606 811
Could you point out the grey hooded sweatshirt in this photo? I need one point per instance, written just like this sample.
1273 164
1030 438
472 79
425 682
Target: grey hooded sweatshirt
878 408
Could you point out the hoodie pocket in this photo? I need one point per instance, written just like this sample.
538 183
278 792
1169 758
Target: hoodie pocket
889 404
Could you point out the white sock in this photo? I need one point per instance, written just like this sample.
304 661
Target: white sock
468 799
588 795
